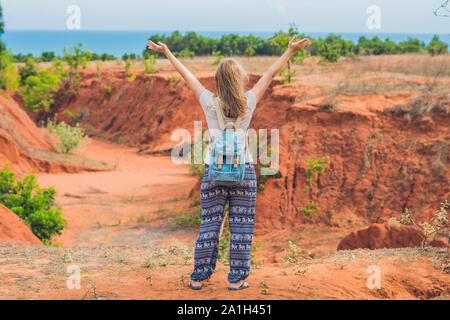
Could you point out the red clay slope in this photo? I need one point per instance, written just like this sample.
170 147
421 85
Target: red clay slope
13 230
22 129
380 163
19 136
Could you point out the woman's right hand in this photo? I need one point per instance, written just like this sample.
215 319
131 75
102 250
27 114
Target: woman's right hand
160 47
295 46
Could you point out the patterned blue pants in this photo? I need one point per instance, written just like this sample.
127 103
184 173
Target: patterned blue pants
242 200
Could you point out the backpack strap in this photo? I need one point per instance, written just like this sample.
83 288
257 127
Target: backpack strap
220 116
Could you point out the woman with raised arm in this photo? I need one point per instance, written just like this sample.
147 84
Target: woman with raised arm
234 103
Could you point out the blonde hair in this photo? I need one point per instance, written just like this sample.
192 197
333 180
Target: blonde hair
231 79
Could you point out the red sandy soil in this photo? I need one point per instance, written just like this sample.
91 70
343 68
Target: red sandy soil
121 223
13 230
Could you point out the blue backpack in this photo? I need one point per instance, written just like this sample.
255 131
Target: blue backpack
226 165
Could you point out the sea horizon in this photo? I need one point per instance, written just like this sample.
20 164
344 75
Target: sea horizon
119 42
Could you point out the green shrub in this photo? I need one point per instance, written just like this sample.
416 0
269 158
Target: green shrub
107 89
219 58
189 220
250 52
435 224
76 57
39 90
308 211
27 70
315 167
436 47
69 137
34 205
127 67
149 64
8 77
185 53
329 53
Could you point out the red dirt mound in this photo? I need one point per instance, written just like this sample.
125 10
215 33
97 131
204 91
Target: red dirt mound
13 230
380 236
380 163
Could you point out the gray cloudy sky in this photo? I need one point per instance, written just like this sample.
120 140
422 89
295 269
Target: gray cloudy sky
409 16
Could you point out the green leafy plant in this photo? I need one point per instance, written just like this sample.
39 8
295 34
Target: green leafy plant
76 58
314 168
219 58
328 53
281 40
437 47
185 53
35 205
27 70
9 79
308 211
39 90
188 219
294 255
70 137
107 89
149 64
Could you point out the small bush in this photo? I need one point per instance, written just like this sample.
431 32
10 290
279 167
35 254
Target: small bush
316 167
39 90
8 77
149 64
190 219
27 70
426 105
329 53
69 137
430 228
34 205
185 53
219 58
437 47
107 89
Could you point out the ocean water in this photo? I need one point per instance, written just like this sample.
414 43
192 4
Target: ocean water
119 42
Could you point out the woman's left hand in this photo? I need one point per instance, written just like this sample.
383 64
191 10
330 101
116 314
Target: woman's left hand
160 47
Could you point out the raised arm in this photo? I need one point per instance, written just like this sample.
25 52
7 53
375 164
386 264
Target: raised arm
190 79
264 82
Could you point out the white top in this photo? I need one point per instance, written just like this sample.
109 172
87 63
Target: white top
207 102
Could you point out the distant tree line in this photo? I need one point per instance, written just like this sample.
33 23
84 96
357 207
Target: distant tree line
330 48
50 56
192 44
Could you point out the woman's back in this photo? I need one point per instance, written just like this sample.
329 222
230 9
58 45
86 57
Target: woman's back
207 103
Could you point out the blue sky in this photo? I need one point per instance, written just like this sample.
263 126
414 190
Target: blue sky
399 16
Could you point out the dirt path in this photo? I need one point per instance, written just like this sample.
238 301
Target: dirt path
114 208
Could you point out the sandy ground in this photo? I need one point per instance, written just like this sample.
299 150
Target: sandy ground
121 237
